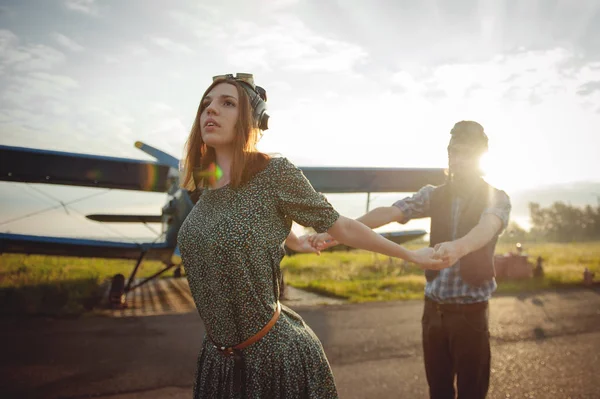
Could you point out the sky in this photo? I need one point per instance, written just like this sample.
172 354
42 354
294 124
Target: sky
349 83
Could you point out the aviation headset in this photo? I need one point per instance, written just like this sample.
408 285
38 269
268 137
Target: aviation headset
257 95
469 132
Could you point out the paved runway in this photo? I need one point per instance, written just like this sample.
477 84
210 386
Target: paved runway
544 345
172 296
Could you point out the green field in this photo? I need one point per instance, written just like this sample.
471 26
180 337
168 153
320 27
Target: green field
69 286
362 276
52 285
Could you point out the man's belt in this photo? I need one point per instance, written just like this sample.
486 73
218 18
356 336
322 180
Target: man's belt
457 307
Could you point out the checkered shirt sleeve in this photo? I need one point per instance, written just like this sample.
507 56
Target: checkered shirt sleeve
416 206
499 206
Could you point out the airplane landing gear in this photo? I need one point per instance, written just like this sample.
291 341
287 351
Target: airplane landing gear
116 296
177 272
119 289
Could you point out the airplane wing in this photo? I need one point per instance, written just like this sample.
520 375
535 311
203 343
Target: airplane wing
59 246
29 165
365 180
400 237
125 218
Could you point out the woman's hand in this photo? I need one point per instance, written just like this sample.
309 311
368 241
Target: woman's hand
322 241
427 258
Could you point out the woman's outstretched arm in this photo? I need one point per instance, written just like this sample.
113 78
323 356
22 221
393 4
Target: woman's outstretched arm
355 234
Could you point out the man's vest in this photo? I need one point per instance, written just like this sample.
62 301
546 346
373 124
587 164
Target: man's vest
477 267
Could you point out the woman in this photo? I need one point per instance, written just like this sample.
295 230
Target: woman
231 246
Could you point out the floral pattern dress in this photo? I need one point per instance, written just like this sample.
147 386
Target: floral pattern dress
231 245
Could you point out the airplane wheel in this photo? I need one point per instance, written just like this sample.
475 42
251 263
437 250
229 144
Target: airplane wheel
116 296
177 272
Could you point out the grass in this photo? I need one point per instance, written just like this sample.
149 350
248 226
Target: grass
357 276
362 277
48 285
58 286
563 262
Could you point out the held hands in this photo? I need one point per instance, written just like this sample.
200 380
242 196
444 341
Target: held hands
440 257
450 252
302 244
427 258
443 255
322 241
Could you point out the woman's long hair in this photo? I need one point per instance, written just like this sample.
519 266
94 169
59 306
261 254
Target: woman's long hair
247 160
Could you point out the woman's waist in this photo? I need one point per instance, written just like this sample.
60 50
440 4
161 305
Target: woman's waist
235 324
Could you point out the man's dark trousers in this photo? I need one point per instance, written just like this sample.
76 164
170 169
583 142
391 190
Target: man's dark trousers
456 341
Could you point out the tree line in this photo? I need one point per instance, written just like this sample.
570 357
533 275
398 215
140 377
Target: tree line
559 222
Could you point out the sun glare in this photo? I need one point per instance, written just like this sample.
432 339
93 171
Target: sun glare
502 174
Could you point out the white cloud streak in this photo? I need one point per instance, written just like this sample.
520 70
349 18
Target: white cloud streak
282 41
88 7
68 43
170 45
27 57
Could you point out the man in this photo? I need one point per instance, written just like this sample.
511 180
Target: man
467 216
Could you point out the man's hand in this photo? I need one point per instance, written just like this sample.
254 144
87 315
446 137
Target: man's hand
322 241
450 252
426 258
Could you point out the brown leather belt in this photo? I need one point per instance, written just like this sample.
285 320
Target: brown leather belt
456 307
229 351
239 368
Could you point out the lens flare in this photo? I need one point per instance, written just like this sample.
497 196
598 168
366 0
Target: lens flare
212 174
149 178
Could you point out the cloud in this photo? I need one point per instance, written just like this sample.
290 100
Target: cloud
406 81
589 88
278 4
529 76
290 45
534 98
422 86
526 78
161 108
169 45
34 98
165 128
88 7
138 50
67 42
26 57
279 41
6 11
434 94
470 90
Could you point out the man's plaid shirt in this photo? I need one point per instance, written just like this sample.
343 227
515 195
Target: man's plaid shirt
449 287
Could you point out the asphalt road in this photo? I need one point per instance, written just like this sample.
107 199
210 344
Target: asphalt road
544 345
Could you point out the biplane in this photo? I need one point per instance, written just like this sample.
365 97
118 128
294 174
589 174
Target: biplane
28 165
